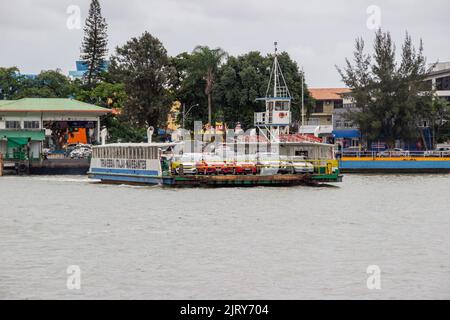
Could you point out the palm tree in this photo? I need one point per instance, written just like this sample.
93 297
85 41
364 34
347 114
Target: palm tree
204 64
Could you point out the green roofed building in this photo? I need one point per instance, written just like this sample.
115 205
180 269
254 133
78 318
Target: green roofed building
31 124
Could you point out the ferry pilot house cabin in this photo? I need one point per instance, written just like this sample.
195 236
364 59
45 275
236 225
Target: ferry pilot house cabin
29 125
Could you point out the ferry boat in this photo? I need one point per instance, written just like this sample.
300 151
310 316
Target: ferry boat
272 156
156 164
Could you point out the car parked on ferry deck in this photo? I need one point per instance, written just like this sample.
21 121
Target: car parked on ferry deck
185 163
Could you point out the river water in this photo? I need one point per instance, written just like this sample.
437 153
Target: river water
232 243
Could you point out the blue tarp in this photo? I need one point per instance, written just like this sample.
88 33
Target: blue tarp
347 133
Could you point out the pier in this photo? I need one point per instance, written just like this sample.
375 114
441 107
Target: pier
401 162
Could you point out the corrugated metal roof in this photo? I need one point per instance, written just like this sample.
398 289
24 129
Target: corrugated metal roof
50 105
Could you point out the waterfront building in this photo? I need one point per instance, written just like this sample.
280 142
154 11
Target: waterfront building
28 125
320 122
82 68
345 132
439 80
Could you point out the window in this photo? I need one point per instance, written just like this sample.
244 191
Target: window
299 153
31 125
443 83
281 106
12 124
319 107
338 104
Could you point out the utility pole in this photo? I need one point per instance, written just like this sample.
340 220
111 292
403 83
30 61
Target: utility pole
303 98
184 115
275 64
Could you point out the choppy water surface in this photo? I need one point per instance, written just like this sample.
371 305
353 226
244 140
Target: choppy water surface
257 243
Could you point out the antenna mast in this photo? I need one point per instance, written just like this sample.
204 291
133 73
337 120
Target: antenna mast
275 68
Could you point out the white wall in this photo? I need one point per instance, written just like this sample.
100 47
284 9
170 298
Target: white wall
35 149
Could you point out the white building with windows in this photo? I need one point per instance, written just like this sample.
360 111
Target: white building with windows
26 125
439 80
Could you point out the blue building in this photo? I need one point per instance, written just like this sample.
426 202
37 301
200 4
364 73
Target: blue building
82 68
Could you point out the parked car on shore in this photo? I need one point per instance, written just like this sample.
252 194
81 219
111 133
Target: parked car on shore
81 151
351 151
396 152
438 152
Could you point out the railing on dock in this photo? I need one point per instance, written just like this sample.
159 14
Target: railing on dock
393 154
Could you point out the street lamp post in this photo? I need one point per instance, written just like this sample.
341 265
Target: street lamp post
186 113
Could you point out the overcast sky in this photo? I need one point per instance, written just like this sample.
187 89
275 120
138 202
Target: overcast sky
318 34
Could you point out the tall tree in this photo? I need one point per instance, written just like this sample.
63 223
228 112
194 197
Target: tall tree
95 41
204 64
187 90
143 66
390 97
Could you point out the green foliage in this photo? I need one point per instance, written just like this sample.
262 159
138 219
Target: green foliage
391 98
104 94
95 41
142 65
9 83
238 82
439 118
123 131
48 84
203 65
